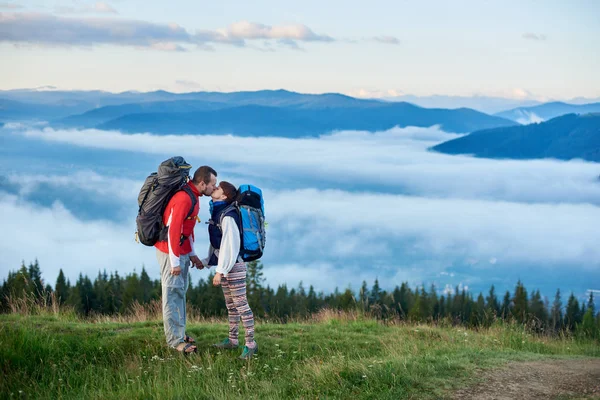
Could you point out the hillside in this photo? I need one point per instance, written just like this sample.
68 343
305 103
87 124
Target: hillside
104 114
347 356
11 110
544 112
255 120
565 138
193 102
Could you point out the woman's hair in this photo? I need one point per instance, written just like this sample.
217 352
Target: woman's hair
229 190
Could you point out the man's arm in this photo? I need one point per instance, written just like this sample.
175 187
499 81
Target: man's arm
178 212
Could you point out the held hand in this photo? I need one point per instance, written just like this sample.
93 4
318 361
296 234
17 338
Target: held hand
217 279
175 270
196 262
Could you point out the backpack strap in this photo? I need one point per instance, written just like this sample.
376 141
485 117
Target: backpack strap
194 198
234 207
227 210
187 189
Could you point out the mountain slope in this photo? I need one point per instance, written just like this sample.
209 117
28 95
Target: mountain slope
567 137
543 112
192 102
100 115
11 110
256 120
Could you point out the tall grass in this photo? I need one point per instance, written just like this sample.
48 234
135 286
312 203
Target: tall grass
48 352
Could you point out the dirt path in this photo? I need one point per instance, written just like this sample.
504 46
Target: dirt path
562 379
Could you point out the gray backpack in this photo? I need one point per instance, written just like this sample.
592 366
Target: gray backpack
157 190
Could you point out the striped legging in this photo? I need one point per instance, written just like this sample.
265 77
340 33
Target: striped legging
234 289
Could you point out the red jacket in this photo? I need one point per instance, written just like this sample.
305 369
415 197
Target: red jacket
174 217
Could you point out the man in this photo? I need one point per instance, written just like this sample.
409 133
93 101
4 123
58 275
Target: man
175 252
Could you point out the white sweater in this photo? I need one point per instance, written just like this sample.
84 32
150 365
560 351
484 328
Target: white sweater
229 252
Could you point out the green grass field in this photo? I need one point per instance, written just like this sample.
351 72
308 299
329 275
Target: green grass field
47 356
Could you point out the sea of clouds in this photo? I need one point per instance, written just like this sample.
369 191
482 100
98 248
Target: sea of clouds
342 208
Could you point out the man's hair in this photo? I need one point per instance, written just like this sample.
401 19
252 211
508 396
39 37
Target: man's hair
203 174
229 190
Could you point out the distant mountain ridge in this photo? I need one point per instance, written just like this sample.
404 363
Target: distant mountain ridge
486 104
546 111
567 137
256 120
239 113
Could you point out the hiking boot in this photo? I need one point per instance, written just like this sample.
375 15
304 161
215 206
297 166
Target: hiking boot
249 352
226 344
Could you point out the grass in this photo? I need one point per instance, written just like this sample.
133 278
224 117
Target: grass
51 356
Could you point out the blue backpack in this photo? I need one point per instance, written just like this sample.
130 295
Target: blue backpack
250 206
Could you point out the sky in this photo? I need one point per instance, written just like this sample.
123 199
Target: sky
342 208
520 49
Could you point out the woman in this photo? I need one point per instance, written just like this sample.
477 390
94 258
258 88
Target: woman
224 249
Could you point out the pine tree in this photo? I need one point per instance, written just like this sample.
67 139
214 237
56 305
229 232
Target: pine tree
403 299
375 295
363 296
537 310
457 306
414 314
300 301
572 316
426 309
442 307
506 309
312 301
255 287
520 303
35 284
101 293
146 292
478 312
433 303
75 299
556 318
61 288
590 303
492 308
280 305
588 328
347 300
131 292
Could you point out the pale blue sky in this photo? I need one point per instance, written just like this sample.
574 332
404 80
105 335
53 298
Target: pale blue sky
530 49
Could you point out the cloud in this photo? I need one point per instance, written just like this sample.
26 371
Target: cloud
102 7
167 46
376 93
295 32
500 231
97 8
342 208
59 240
522 94
394 161
368 234
289 43
11 6
529 117
89 181
387 40
188 84
533 36
45 29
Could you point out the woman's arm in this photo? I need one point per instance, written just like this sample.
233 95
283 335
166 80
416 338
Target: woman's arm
230 246
205 261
